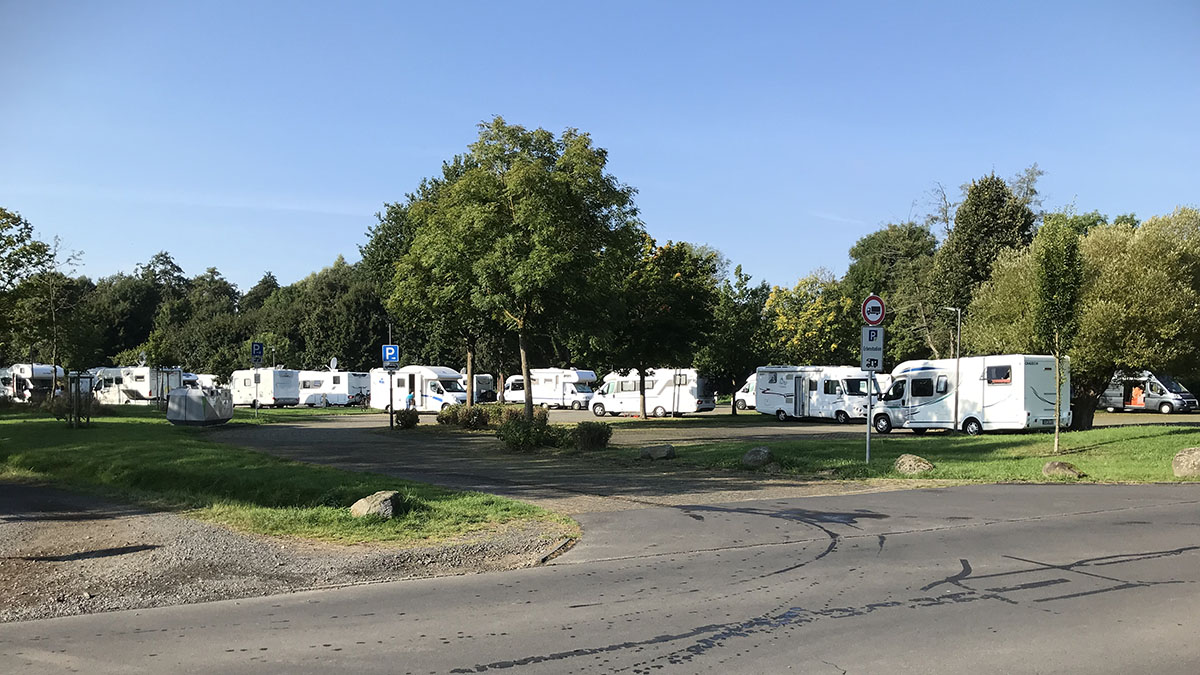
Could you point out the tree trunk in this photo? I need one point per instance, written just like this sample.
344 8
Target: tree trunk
522 337
1057 395
500 387
733 398
642 390
470 374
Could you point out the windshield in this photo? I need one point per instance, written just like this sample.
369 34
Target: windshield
583 388
452 385
1171 385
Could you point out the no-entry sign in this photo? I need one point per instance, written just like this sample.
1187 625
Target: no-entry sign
873 310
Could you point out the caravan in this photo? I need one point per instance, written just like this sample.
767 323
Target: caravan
831 392
1147 391
432 387
32 382
265 387
553 388
747 396
485 386
136 385
324 388
669 391
1006 391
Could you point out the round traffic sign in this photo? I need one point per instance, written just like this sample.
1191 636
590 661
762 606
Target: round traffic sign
873 310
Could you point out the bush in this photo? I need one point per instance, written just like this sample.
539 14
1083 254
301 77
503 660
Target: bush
519 435
407 419
591 436
449 414
473 417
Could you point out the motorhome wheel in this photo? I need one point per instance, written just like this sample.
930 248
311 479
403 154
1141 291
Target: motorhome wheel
972 427
660 411
841 417
741 404
781 416
598 410
445 405
1166 408
883 424
576 405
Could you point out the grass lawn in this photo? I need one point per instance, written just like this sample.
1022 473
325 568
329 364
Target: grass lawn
139 457
276 415
1118 454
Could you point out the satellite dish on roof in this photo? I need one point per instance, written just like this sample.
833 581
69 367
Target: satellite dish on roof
333 363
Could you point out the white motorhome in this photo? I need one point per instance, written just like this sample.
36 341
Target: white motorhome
32 382
485 386
747 396
553 388
135 385
323 388
669 391
432 387
830 392
1005 391
265 387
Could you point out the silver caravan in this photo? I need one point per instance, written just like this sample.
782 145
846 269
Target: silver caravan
332 387
135 385
265 387
829 392
1002 392
552 388
432 388
1145 390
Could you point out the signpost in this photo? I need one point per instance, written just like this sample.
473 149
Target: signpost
391 359
256 356
873 312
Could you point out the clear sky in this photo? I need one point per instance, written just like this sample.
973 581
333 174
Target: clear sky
254 136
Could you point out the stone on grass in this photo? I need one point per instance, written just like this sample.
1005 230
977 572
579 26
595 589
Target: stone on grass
658 452
1186 463
756 457
911 465
1061 470
384 504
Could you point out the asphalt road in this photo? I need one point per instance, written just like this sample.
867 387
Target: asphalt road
1084 578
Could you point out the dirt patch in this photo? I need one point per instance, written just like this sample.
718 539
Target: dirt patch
63 554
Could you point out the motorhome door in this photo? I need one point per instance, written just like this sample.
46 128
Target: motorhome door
1135 393
801 395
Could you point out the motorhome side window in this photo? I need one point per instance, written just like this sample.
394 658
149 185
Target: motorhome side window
943 384
812 385
139 378
627 385
681 379
245 382
922 387
1155 389
833 387
897 391
337 379
999 374
650 385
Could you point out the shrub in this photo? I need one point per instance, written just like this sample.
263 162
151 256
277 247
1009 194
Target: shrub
473 417
449 414
591 436
407 419
519 435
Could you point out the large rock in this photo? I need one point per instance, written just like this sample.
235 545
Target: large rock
756 457
911 465
1186 463
1061 470
658 452
384 504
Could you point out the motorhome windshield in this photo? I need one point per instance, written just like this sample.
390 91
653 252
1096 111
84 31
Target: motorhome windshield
583 388
452 385
1172 386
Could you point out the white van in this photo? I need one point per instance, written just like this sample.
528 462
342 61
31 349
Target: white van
433 388
136 385
747 396
1005 391
669 391
322 388
829 392
553 388
265 387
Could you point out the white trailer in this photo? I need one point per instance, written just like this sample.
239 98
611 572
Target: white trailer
265 387
747 396
332 387
669 391
1005 391
135 385
32 382
829 392
553 388
432 387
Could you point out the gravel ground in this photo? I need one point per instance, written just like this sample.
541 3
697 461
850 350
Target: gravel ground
63 554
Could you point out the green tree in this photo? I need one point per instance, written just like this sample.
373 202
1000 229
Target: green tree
1058 277
257 295
20 256
740 335
811 321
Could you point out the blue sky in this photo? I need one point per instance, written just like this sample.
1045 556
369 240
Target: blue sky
255 136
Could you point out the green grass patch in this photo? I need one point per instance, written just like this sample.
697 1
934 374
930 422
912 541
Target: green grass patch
143 459
297 414
1119 454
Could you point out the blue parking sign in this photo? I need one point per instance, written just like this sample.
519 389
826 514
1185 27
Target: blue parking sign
256 352
391 353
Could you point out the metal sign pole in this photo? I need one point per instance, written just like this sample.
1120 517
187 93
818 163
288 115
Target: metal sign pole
391 399
870 413
255 371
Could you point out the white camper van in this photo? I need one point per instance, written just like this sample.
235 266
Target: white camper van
135 385
485 386
830 392
669 391
321 388
265 387
433 388
747 396
1006 391
553 388
32 382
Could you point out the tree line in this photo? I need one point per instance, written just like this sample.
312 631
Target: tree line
525 251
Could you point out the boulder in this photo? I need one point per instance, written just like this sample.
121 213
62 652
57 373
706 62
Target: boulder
384 504
911 465
756 457
1061 470
1186 463
658 452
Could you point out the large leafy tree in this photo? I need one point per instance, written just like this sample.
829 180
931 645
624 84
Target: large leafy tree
811 321
20 256
740 336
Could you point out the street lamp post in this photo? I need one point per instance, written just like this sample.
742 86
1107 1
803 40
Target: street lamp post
957 355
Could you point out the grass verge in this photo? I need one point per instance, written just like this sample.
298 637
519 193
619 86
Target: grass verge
145 460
